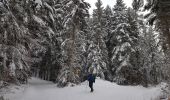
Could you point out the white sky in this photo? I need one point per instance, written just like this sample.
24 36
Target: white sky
107 2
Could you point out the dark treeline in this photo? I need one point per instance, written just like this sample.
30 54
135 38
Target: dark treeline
58 40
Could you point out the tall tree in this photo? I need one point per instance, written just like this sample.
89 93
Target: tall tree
99 54
15 42
75 11
119 41
124 43
108 27
158 17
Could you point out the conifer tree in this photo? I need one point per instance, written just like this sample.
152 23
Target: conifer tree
75 13
99 53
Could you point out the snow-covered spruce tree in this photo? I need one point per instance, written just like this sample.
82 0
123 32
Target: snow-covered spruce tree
132 73
99 55
123 41
83 42
74 21
120 42
31 36
158 16
45 25
157 59
108 28
14 42
152 59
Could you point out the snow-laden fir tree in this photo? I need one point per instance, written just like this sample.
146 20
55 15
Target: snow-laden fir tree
123 39
132 73
32 35
99 54
158 16
14 43
120 42
44 24
152 58
108 27
74 21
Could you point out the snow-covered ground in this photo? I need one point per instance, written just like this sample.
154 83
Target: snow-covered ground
103 90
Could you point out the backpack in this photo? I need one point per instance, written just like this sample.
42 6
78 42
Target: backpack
91 78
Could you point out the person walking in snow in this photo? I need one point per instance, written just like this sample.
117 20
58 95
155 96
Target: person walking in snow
91 79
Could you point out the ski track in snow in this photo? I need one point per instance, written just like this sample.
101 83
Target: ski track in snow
103 90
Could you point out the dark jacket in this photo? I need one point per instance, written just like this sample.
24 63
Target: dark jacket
91 78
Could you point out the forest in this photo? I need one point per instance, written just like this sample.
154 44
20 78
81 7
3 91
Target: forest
60 41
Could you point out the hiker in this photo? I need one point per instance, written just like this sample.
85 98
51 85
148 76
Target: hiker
91 79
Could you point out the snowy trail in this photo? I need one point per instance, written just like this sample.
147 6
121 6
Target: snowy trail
104 90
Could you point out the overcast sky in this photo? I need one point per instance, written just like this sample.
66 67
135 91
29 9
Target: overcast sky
107 2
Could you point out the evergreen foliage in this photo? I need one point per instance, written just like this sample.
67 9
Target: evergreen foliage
57 40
